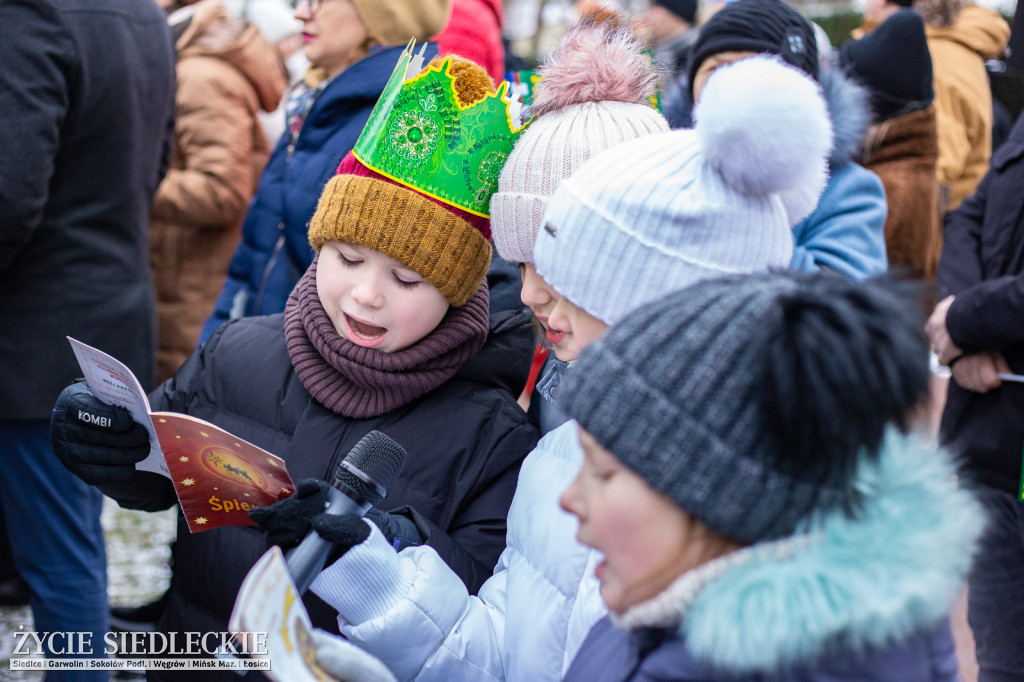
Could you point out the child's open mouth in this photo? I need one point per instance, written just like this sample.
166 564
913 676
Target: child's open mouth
364 330
554 335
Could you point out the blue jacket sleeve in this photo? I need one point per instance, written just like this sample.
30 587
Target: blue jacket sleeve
846 231
38 55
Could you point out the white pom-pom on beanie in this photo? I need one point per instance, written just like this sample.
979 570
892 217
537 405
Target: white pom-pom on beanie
780 145
657 214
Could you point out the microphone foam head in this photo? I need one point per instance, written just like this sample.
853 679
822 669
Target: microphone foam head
371 467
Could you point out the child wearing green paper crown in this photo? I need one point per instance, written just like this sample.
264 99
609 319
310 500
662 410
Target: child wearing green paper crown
388 330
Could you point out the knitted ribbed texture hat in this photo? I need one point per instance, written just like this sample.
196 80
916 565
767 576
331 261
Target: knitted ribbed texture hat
593 95
655 215
764 26
748 400
394 22
894 63
446 245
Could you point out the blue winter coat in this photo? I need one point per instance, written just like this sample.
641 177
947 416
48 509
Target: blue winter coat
846 231
860 597
275 250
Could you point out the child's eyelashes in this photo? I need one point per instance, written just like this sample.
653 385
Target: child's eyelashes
348 262
406 284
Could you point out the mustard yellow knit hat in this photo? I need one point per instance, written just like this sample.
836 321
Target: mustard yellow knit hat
448 246
360 206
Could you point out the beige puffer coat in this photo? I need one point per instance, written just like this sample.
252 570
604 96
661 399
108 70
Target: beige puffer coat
227 73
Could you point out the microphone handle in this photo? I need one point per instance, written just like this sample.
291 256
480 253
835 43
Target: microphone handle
307 559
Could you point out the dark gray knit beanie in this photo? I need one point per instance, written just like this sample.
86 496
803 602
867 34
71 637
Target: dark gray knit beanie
748 400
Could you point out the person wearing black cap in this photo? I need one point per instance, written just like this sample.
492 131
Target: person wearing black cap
673 29
876 12
902 144
845 232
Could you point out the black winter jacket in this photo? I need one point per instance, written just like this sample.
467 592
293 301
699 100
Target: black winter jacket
87 111
466 440
983 265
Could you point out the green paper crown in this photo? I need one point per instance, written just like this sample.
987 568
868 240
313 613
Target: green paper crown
419 135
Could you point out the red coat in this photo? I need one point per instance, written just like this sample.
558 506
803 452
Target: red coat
474 32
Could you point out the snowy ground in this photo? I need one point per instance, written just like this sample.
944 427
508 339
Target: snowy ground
137 551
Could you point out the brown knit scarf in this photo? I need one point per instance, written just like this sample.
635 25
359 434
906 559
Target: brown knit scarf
362 382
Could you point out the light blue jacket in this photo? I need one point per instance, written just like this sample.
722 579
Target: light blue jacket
846 231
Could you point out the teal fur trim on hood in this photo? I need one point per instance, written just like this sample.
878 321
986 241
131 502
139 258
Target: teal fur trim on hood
860 582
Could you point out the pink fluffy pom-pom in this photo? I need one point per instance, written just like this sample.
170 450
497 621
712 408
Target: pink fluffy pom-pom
599 59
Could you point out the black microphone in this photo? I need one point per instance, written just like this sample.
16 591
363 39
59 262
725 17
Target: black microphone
361 480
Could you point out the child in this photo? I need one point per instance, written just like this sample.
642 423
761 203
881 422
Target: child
757 520
387 330
577 112
351 46
632 223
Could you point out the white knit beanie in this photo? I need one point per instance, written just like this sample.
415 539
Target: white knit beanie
654 215
593 95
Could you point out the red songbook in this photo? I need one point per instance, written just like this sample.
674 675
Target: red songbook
218 477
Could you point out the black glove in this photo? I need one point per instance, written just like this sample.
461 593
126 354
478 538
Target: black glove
401 531
97 442
345 531
288 521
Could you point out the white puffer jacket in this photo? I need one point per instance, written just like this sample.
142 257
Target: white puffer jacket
531 616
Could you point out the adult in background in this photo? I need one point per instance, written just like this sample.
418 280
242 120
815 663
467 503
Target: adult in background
673 30
876 12
227 75
473 31
87 100
961 36
352 46
846 231
976 330
901 145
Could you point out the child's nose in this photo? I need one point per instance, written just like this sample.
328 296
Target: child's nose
369 294
569 499
534 293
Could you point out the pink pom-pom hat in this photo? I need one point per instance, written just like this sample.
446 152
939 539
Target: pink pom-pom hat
594 93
